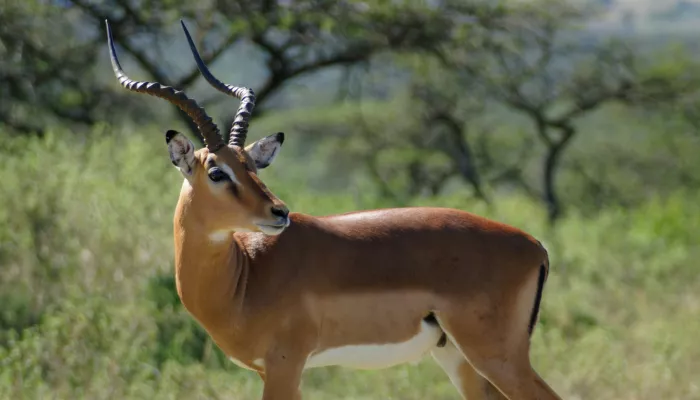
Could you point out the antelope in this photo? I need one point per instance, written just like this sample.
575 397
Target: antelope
282 292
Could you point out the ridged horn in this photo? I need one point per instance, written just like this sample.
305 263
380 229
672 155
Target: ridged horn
207 127
239 129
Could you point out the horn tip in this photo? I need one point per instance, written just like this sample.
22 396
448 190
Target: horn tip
187 35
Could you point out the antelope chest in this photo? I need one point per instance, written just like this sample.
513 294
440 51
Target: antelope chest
242 353
378 356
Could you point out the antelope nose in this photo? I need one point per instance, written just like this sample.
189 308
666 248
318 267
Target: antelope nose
280 211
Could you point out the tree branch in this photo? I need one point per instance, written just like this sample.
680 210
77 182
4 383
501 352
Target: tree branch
461 154
583 106
551 162
281 75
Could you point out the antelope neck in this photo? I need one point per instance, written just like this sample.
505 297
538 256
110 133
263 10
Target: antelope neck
210 275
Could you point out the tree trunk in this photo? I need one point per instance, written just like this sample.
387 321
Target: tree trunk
462 156
551 165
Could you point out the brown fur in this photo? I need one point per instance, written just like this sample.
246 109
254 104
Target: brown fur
358 278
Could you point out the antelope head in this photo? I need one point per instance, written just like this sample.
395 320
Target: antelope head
221 184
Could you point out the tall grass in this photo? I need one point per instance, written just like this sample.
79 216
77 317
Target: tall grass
87 307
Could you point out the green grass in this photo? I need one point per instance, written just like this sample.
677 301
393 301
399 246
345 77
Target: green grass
87 308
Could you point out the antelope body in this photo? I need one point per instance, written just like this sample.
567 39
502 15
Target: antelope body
282 292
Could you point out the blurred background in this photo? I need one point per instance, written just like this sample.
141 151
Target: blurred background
577 121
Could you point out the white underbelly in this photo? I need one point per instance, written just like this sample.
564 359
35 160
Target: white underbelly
258 363
377 356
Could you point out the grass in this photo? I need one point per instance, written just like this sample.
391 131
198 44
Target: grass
87 308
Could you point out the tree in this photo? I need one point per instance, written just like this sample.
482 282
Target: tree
43 68
296 38
534 61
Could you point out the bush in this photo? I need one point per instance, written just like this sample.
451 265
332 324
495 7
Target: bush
89 308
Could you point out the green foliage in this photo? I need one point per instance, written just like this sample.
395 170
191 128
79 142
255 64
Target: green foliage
44 80
88 304
179 337
89 308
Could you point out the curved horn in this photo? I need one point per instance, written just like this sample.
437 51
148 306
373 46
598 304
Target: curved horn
239 129
207 127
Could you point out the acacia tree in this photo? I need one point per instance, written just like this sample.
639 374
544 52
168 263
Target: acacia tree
532 59
296 38
43 69
535 61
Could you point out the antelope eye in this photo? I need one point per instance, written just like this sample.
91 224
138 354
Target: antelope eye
217 175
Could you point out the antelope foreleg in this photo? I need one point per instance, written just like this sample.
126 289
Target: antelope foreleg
282 377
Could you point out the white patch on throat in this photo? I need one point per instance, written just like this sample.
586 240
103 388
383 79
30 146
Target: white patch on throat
224 235
378 356
220 236
255 243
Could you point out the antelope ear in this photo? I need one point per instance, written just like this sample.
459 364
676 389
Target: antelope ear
181 152
264 151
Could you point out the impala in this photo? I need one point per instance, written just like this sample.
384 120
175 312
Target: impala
282 292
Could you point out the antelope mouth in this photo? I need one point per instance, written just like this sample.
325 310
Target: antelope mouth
273 229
